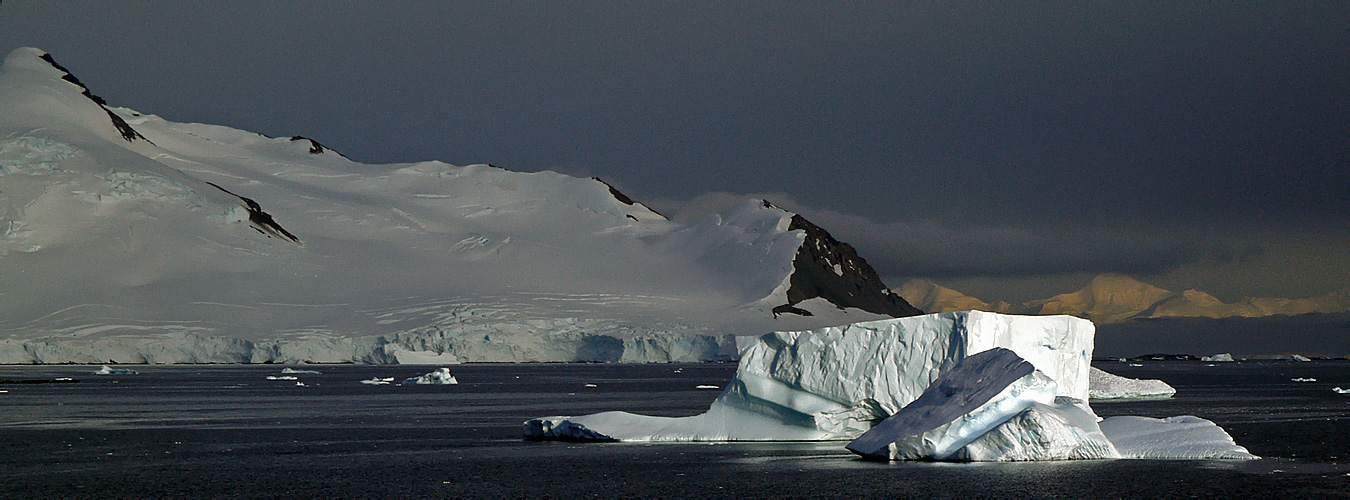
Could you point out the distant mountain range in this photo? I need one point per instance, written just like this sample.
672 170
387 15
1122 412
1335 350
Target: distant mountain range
1114 298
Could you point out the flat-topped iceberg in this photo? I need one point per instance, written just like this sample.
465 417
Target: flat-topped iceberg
961 386
1104 385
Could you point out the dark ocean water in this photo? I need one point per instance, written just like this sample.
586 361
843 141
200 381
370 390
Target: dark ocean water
227 431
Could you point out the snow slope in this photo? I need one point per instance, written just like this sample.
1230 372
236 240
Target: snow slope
125 237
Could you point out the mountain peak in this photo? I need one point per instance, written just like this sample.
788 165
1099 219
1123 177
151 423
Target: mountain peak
32 77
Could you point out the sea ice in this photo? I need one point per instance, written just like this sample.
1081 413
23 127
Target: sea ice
378 381
108 370
1104 385
1302 379
282 377
441 376
294 371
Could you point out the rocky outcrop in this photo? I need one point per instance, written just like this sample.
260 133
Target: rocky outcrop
832 270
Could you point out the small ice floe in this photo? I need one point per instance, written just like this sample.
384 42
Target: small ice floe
108 370
378 381
282 377
300 384
439 377
294 371
1296 357
707 387
1135 364
590 385
1301 379
1339 390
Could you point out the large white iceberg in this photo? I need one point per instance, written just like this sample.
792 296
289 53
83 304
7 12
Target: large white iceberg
839 383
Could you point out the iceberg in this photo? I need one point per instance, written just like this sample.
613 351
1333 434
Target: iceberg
378 381
1104 385
967 401
1339 390
1218 357
295 371
964 385
108 370
439 377
1183 437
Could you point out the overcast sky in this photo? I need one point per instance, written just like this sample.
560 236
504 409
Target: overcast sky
1009 152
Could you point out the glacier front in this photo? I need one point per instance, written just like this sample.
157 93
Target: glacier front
967 385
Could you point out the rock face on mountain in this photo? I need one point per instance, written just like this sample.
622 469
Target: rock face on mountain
1112 298
830 269
126 237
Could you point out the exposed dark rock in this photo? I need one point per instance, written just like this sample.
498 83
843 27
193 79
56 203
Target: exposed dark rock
314 147
623 198
830 269
261 221
123 128
788 309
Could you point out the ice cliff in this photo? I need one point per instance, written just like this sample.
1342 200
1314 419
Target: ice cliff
965 385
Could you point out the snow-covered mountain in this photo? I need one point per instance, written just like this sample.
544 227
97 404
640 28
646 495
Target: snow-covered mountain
1113 298
126 237
933 297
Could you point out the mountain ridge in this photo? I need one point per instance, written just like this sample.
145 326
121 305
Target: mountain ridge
1115 298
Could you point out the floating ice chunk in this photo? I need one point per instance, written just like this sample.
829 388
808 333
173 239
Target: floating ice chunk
721 422
441 376
1066 430
1105 385
108 370
1298 357
836 383
1218 357
1339 390
590 386
294 371
979 393
1184 437
707 387
378 381
282 377
1302 379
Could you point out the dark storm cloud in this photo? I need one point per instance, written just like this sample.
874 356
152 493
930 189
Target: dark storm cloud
1070 121
934 249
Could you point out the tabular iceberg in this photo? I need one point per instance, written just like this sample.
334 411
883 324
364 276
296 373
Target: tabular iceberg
962 386
1104 385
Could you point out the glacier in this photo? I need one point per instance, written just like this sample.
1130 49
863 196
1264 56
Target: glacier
965 385
126 237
